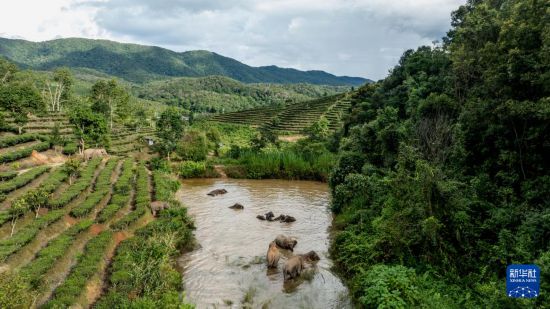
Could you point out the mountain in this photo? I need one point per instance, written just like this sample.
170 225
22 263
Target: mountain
138 63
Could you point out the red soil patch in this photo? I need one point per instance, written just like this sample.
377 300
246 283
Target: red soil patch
43 211
119 237
97 228
48 157
69 220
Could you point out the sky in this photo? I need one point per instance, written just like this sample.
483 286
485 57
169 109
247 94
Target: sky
345 37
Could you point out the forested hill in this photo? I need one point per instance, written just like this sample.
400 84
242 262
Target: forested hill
138 63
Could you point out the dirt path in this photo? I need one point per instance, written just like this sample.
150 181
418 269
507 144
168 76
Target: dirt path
18 147
220 171
291 138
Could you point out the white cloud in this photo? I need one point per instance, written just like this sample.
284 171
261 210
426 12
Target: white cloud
345 37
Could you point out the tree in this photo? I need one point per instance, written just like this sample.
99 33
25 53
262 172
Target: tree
16 210
71 166
170 128
36 199
91 127
59 90
110 99
319 130
7 71
20 98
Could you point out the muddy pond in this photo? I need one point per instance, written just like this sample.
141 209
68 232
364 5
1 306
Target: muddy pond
228 270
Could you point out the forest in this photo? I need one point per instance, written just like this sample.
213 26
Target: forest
442 177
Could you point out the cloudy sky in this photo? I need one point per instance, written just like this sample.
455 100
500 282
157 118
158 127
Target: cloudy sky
345 37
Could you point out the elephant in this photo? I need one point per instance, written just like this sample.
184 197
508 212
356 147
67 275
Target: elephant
285 242
273 255
293 267
217 192
285 218
237 206
311 256
260 217
157 206
94 153
269 216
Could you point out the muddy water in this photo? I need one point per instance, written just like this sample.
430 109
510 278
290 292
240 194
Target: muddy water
229 270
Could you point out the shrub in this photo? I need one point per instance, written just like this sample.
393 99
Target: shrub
78 187
13 244
164 186
23 152
55 249
19 139
23 179
193 146
70 148
86 266
191 169
5 176
121 191
142 200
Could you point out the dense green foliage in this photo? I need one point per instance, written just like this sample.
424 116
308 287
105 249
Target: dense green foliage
442 179
87 265
55 249
164 186
139 63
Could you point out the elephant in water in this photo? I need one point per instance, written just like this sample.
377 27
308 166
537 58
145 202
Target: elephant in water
217 192
285 242
273 255
293 267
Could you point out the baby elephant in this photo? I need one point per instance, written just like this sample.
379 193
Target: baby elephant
157 206
286 242
273 255
310 257
293 267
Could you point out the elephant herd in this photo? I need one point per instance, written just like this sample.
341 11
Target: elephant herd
294 265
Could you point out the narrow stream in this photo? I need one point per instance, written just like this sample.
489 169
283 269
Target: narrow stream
229 268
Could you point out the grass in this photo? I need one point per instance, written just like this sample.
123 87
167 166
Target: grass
164 186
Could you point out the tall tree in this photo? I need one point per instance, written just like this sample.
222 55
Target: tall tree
170 128
110 99
59 90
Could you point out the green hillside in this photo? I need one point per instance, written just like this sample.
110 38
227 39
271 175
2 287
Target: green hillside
138 63
216 94
293 118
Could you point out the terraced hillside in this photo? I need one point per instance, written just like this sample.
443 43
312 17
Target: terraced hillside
294 118
125 140
45 124
63 236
